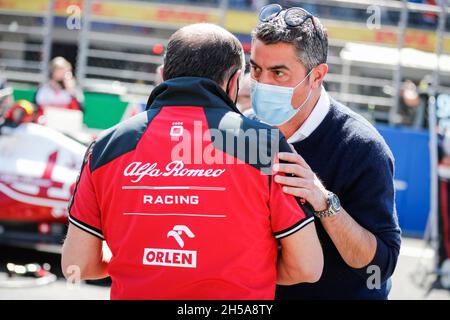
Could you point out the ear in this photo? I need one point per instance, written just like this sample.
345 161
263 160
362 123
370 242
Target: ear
161 72
318 74
159 75
233 86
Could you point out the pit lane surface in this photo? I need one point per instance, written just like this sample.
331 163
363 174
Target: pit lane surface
410 280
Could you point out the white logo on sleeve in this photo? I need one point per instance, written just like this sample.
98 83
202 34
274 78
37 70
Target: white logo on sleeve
171 257
176 130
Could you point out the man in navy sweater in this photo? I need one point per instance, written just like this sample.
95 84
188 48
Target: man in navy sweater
343 168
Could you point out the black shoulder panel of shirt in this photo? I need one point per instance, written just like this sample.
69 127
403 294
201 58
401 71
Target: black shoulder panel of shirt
120 139
250 141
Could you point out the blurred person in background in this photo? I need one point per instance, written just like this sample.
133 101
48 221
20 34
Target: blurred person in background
22 111
423 89
413 104
344 168
61 90
14 113
409 102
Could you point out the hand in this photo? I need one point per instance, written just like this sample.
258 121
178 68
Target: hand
305 184
69 83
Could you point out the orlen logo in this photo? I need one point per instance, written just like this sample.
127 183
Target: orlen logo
170 257
176 233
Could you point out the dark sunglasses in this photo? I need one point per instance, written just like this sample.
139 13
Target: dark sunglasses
293 17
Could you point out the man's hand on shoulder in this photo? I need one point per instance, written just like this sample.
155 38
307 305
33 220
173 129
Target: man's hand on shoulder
304 184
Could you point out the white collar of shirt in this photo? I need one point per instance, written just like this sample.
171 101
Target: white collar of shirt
314 120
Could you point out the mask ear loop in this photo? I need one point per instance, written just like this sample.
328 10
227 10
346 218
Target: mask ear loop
309 94
306 77
304 102
237 88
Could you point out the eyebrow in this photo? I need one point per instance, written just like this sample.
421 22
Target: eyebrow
253 63
279 66
276 67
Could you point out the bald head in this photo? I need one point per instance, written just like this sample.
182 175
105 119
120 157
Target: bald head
203 50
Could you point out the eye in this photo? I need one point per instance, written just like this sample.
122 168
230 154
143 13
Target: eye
279 73
255 70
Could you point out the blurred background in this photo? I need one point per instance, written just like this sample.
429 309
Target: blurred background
388 60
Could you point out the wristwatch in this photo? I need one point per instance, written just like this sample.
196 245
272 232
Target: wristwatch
334 207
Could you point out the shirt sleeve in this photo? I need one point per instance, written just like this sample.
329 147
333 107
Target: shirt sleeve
84 210
289 214
370 200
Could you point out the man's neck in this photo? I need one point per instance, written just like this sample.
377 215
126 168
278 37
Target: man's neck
294 124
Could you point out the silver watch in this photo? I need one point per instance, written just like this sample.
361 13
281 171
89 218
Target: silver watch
334 207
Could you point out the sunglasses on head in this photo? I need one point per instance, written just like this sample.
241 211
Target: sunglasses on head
293 17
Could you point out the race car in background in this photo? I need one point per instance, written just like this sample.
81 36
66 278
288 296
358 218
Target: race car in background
39 166
41 152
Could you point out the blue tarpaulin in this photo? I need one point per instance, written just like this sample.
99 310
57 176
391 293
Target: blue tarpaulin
412 176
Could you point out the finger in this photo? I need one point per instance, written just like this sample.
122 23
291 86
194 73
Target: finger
297 192
292 181
294 169
289 168
293 157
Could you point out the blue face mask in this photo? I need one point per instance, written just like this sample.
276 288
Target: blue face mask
272 104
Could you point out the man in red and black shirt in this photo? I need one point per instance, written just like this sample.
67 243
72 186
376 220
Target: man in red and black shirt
183 193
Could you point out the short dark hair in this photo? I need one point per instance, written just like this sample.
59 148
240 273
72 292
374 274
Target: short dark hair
311 42
203 50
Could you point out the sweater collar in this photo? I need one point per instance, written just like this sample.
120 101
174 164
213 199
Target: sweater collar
190 91
326 125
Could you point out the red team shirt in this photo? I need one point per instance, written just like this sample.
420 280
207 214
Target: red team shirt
179 225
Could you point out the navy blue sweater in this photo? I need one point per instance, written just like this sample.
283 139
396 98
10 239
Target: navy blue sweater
353 161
